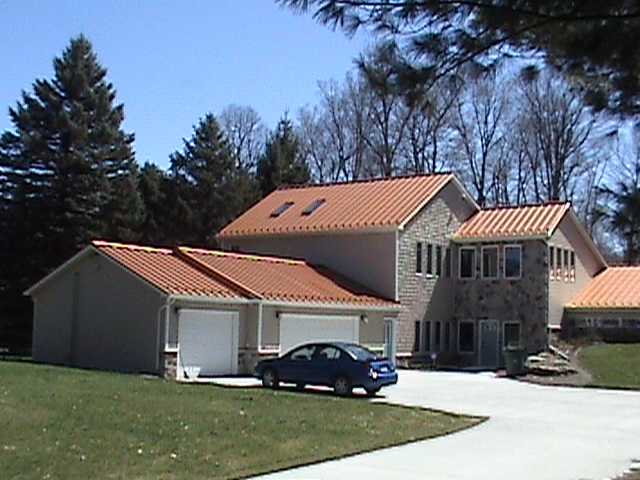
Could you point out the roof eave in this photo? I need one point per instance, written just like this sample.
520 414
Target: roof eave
516 238
310 233
78 257
333 306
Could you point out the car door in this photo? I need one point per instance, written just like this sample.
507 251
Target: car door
296 365
326 364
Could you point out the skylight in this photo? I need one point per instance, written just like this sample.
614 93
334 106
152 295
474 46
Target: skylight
313 207
281 209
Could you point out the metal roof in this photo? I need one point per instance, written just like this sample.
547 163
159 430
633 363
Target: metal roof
615 287
355 206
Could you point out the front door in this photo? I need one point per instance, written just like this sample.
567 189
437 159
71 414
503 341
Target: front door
489 343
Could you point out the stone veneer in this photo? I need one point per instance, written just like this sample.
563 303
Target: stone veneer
524 300
424 296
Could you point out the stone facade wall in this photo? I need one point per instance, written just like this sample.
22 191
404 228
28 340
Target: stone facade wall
424 296
523 300
170 365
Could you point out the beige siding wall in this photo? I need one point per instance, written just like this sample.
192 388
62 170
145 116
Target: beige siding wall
367 258
428 298
562 291
109 319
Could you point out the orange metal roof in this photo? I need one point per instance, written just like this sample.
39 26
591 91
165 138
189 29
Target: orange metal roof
513 222
199 272
161 268
615 287
282 279
361 205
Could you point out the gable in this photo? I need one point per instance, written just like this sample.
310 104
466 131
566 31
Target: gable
371 205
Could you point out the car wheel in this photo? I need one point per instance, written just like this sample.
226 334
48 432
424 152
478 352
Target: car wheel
270 378
342 386
372 391
300 386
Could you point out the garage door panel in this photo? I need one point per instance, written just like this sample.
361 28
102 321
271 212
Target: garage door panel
209 340
296 329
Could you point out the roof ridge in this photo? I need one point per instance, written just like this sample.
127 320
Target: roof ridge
362 180
526 205
183 254
129 246
245 256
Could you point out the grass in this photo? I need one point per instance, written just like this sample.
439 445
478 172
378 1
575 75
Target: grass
59 423
613 365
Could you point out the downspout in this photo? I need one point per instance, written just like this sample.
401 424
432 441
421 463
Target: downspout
162 346
259 345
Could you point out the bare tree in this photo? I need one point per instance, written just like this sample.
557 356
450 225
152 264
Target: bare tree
555 129
246 133
480 148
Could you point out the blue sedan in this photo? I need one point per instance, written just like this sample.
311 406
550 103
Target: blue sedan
340 365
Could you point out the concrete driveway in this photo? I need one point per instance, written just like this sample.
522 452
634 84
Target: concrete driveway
534 433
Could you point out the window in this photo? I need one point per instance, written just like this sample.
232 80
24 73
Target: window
427 336
281 209
419 257
566 265
429 268
558 264
552 264
447 335
416 337
490 262
313 207
438 261
466 332
436 336
572 267
303 353
511 337
512 261
467 262
447 262
329 353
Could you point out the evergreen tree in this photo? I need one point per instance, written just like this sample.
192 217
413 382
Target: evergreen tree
69 172
208 187
282 162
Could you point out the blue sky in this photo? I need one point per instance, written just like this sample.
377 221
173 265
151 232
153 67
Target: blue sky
171 62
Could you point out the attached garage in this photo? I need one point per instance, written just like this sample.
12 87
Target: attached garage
188 313
208 342
298 328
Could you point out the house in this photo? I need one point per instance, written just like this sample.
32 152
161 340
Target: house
410 266
608 306
195 312
471 280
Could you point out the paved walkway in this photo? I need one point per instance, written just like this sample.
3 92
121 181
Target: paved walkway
534 433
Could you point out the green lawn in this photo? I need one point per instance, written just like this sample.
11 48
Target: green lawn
613 365
59 423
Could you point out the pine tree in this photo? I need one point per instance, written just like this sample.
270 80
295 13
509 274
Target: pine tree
70 172
208 186
282 163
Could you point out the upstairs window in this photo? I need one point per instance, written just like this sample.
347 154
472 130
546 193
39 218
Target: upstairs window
490 262
281 209
512 261
447 262
552 264
572 267
467 262
429 268
558 264
419 258
566 265
313 207
438 261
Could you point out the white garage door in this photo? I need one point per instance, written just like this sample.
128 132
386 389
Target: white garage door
208 340
296 329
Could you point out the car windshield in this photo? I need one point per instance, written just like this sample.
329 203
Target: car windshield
360 353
